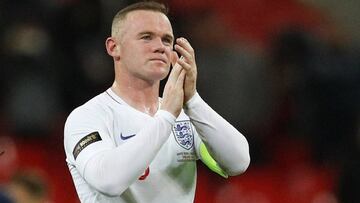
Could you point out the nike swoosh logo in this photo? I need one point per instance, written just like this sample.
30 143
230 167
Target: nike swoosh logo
126 137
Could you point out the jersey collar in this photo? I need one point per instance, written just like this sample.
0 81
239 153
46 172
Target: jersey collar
118 99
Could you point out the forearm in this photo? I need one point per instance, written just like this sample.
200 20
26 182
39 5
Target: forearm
113 171
225 144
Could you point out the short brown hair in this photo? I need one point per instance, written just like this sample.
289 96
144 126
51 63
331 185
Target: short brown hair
143 5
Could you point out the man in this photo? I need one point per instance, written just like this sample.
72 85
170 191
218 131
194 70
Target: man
127 144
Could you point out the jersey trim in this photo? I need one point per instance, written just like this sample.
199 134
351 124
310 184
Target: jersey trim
112 96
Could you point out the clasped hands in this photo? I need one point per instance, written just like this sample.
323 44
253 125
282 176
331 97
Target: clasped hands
181 84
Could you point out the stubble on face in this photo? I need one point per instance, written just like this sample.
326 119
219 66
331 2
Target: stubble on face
135 53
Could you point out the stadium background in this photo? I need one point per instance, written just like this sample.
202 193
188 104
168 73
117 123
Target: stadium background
285 73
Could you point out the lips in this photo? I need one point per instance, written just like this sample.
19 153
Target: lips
159 59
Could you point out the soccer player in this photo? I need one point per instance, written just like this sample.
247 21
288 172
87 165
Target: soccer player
129 145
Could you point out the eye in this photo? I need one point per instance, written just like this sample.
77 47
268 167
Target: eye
167 41
146 37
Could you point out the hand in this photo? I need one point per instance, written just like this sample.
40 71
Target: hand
173 96
187 61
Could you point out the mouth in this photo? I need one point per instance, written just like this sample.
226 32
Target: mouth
159 60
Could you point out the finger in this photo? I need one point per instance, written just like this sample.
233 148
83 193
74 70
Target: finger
174 74
181 78
181 62
183 52
184 43
176 61
184 64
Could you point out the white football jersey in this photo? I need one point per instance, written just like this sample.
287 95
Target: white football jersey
106 122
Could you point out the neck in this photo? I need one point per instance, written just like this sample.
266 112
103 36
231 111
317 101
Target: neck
139 94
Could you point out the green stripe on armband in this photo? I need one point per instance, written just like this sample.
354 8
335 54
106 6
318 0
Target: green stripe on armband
210 162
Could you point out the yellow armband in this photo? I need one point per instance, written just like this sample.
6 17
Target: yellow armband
210 162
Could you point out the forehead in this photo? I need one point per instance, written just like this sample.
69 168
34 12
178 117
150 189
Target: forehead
141 20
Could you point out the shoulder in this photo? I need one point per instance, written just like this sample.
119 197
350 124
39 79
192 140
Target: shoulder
93 106
94 110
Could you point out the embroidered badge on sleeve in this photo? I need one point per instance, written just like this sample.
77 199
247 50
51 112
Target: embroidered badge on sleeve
86 141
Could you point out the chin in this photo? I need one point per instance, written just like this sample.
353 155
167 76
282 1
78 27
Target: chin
161 73
161 76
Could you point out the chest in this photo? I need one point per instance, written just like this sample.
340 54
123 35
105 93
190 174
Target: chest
179 148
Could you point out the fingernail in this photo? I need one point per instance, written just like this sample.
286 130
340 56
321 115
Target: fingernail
181 39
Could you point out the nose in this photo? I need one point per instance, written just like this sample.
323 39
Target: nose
158 46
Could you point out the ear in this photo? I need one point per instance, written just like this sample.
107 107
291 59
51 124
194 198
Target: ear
112 48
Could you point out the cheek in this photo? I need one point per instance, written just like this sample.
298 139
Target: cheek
131 49
135 55
168 53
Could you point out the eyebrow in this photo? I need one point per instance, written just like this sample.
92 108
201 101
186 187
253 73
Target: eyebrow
169 36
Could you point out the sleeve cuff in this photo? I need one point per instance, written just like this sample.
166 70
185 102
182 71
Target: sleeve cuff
193 101
166 115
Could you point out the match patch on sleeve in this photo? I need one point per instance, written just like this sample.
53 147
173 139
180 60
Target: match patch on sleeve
86 141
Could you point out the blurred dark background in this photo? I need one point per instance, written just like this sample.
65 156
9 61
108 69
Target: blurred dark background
285 73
